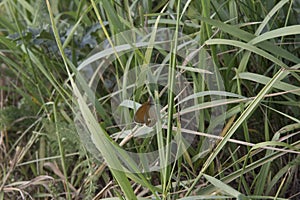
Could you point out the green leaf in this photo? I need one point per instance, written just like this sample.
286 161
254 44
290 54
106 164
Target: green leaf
224 187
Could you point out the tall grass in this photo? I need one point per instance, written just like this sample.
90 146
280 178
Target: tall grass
60 137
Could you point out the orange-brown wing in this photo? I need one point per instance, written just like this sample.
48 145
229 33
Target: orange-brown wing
141 115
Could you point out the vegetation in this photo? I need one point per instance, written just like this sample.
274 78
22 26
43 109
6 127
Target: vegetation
238 100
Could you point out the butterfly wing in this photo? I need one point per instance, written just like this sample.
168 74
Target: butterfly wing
146 114
141 115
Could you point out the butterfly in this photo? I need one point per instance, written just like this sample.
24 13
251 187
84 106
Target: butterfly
146 114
